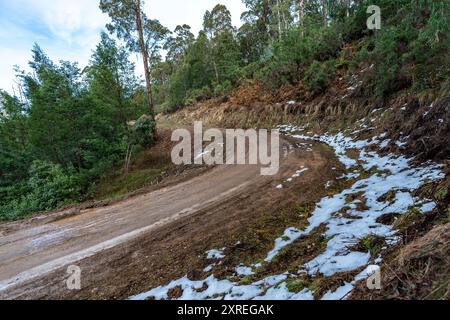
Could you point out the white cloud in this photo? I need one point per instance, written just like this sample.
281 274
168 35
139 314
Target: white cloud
70 29
14 57
66 19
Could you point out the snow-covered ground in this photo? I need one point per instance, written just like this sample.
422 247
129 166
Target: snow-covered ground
346 221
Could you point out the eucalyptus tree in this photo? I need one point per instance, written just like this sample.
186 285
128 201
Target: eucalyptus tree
178 43
216 23
141 34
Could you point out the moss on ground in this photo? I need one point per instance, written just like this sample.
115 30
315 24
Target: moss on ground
116 186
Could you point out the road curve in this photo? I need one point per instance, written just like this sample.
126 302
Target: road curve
33 251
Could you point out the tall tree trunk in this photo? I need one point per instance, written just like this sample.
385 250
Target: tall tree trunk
279 19
215 70
325 12
266 18
144 52
301 15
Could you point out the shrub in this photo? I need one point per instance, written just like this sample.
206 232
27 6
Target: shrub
223 88
196 95
144 131
50 187
319 75
328 43
430 53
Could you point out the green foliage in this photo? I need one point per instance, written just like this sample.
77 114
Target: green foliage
410 50
373 244
387 58
430 52
209 65
50 187
295 285
71 126
70 129
319 75
224 88
296 54
143 131
196 95
15 155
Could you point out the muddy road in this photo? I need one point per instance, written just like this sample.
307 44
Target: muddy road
143 241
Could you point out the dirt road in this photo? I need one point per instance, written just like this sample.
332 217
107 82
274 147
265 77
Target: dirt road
32 251
31 256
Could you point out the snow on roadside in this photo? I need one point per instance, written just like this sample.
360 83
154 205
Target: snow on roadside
290 236
340 293
394 174
208 268
347 222
270 288
244 271
215 254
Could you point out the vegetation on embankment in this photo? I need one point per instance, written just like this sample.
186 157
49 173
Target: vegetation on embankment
69 128
410 51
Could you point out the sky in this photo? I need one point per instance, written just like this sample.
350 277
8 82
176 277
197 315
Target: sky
70 29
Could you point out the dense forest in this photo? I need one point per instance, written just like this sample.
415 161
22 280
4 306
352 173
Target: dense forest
64 127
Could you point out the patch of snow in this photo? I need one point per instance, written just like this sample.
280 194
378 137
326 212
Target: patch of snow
350 175
397 176
270 288
244 271
330 263
221 289
369 271
400 144
208 268
281 292
298 173
385 143
428 207
340 294
215 254
289 237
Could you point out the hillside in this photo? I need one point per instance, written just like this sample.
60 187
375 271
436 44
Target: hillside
88 177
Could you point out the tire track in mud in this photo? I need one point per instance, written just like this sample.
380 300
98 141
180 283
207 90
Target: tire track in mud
33 260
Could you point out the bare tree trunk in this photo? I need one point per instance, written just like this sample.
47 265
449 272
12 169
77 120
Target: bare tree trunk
286 25
325 12
279 19
128 159
215 70
301 15
144 53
